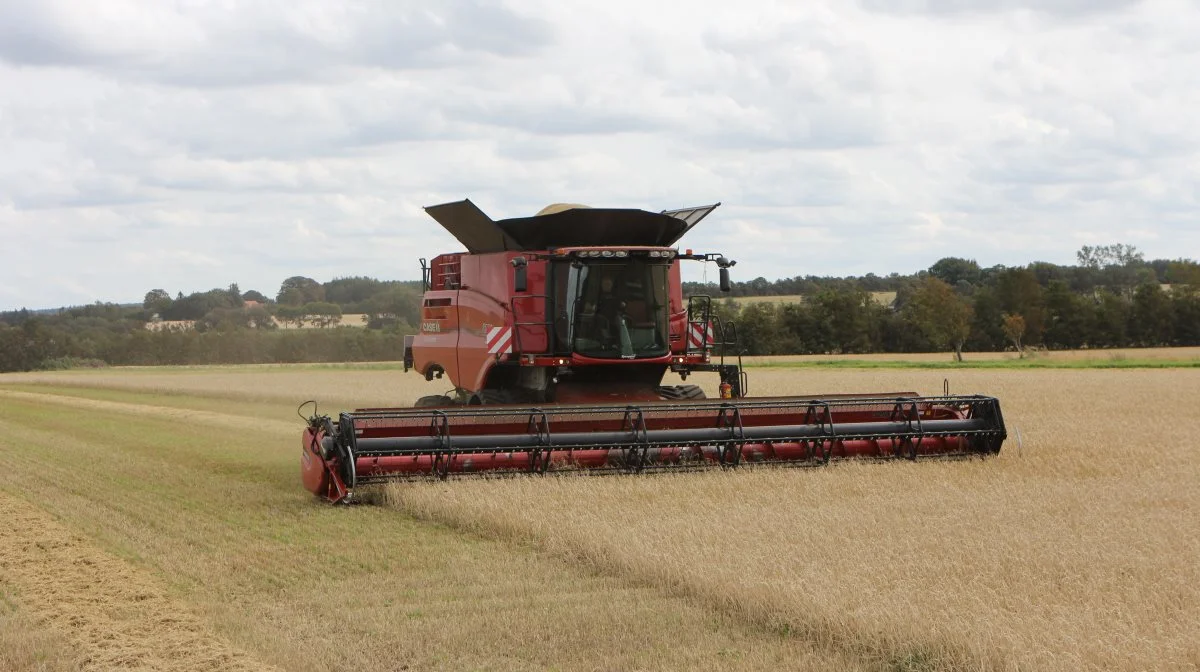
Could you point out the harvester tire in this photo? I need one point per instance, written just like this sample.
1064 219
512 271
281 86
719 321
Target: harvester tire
433 400
681 392
498 397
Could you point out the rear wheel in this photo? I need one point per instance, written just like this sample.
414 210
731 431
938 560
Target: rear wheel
680 392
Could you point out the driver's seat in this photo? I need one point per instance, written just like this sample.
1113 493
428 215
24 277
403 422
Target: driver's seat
638 313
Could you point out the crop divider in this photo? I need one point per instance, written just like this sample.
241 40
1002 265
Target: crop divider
634 422
443 455
539 428
906 410
820 414
731 416
349 448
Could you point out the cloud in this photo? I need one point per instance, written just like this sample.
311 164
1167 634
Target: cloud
1052 7
257 43
189 146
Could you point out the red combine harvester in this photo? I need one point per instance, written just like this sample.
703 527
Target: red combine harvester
556 331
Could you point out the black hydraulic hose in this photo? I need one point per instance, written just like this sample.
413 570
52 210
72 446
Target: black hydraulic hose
673 407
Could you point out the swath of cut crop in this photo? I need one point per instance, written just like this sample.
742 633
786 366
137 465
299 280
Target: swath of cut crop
27 644
182 414
113 616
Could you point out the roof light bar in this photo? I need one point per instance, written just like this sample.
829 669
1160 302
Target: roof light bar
608 254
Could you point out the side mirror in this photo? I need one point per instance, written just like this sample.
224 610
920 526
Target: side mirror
725 287
520 276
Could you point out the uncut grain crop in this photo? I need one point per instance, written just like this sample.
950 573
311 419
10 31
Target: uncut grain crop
1102 357
1077 548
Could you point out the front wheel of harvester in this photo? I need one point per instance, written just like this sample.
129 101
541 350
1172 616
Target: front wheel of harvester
433 401
681 392
495 397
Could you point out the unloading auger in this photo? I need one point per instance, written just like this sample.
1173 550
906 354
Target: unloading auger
556 331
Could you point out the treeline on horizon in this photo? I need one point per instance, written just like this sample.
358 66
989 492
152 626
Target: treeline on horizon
1113 297
218 326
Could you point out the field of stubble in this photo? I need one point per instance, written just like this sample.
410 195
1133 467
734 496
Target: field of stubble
1077 548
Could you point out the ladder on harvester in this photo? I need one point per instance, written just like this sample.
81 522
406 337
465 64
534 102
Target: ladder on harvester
703 327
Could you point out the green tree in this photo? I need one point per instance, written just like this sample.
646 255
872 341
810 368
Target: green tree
1112 320
986 332
1185 304
1047 273
1115 266
323 313
289 314
847 315
221 319
234 296
299 290
1183 272
196 305
1014 331
258 317
940 314
953 271
234 319
394 306
353 291
1101 256
801 331
758 329
1021 294
29 345
157 301
758 286
1070 318
1153 319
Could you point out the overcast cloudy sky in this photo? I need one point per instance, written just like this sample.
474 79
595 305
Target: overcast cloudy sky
186 145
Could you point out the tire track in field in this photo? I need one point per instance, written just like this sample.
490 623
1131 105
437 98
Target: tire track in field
170 412
112 614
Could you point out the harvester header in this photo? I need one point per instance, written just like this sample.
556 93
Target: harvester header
555 332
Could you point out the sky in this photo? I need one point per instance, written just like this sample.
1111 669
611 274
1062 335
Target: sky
188 145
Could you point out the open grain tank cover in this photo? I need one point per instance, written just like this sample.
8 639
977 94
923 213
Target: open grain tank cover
565 225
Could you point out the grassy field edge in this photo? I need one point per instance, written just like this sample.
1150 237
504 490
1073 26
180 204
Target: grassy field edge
1148 358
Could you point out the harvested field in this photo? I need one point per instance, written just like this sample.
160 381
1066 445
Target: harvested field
211 507
119 616
27 644
1076 548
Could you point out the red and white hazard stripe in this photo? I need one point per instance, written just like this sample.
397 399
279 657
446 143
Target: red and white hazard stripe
499 340
696 335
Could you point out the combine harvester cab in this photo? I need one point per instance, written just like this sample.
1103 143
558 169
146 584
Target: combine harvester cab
556 331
